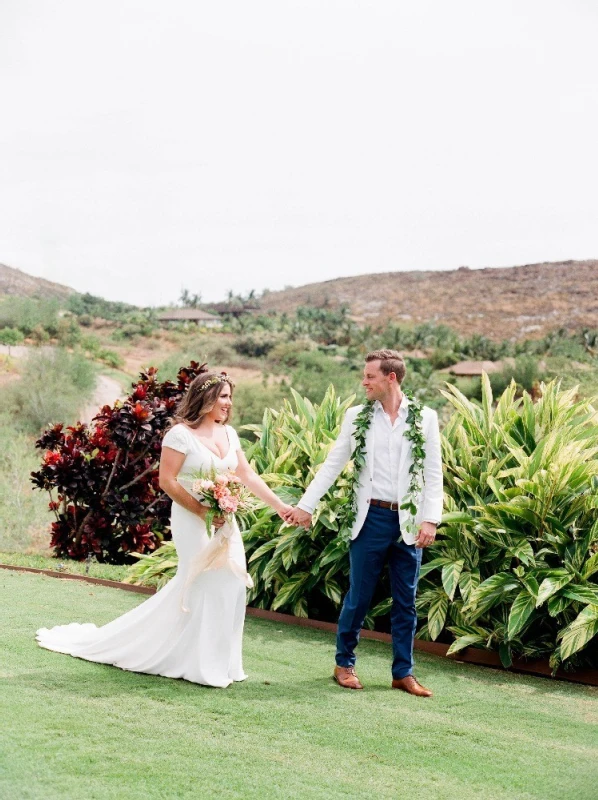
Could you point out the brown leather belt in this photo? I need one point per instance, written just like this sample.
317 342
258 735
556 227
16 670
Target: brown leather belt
385 504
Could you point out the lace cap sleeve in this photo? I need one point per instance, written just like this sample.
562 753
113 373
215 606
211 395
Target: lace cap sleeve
176 439
233 438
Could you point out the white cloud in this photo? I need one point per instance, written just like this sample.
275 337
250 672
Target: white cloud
149 146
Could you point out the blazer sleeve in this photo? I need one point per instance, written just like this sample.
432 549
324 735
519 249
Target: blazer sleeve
433 496
330 469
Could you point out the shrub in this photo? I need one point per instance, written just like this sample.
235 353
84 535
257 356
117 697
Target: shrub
53 387
439 358
90 344
88 305
251 399
103 478
28 314
256 344
68 332
23 513
11 337
316 372
525 372
515 565
39 335
288 354
111 358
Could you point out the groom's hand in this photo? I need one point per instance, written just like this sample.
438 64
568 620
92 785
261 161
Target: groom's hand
426 535
300 518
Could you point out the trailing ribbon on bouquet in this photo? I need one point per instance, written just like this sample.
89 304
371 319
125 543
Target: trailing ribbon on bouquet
215 555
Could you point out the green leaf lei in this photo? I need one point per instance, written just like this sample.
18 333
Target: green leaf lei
414 434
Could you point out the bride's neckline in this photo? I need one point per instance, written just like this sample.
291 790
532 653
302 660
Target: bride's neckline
209 449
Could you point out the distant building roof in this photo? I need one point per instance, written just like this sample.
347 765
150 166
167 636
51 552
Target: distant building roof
192 314
235 309
471 369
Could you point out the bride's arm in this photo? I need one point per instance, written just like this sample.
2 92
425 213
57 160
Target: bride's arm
171 462
248 476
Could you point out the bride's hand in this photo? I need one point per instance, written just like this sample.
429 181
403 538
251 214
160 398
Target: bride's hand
284 511
217 522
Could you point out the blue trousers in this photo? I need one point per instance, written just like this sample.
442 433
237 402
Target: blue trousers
378 541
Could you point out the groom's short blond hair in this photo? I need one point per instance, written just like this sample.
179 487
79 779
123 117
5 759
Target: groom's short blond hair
390 361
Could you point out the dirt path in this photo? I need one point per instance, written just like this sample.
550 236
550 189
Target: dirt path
107 392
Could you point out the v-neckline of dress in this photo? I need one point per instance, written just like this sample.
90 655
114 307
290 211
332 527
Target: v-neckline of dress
209 449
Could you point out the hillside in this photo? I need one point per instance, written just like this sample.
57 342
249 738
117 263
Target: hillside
18 284
524 301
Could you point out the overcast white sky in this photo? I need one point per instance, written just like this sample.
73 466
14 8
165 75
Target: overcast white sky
148 146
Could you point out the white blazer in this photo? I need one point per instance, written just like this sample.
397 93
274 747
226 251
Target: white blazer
429 504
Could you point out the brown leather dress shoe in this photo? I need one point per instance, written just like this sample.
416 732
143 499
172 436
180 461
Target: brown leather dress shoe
411 685
347 678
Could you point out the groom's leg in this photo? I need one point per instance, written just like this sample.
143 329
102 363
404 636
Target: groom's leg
367 555
404 563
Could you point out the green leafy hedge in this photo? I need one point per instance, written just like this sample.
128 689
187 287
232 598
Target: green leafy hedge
515 563
515 566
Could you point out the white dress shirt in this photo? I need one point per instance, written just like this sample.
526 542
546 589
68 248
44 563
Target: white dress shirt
388 440
387 452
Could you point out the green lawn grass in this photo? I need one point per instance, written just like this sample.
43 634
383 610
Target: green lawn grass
110 572
73 729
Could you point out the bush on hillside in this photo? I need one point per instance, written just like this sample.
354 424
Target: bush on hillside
255 345
525 372
251 399
441 358
288 354
316 371
30 314
54 385
89 306
11 337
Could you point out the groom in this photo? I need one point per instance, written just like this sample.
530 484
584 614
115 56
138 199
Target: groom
380 531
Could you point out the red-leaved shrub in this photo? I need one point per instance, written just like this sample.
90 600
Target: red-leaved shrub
103 478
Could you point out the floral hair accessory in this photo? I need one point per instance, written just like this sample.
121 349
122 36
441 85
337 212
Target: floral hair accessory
213 381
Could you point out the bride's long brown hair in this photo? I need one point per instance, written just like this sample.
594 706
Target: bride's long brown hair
200 398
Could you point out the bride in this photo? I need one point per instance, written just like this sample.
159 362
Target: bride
193 627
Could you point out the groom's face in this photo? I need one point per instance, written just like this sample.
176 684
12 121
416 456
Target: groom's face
375 382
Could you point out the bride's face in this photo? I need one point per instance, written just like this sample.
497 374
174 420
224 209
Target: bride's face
223 405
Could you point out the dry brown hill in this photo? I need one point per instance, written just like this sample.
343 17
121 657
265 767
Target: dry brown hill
505 302
19 284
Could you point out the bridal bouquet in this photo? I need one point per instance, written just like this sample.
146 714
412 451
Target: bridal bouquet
222 492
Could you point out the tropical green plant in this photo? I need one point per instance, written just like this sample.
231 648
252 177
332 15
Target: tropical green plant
155 569
297 570
515 563
302 572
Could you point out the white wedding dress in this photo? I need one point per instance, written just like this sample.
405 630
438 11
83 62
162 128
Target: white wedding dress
193 627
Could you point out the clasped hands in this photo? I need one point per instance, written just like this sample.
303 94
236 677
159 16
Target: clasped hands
302 519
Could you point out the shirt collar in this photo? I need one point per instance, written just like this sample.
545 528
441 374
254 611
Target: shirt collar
379 408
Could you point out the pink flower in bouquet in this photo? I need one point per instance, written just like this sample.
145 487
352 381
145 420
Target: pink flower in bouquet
203 485
228 504
222 479
220 491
